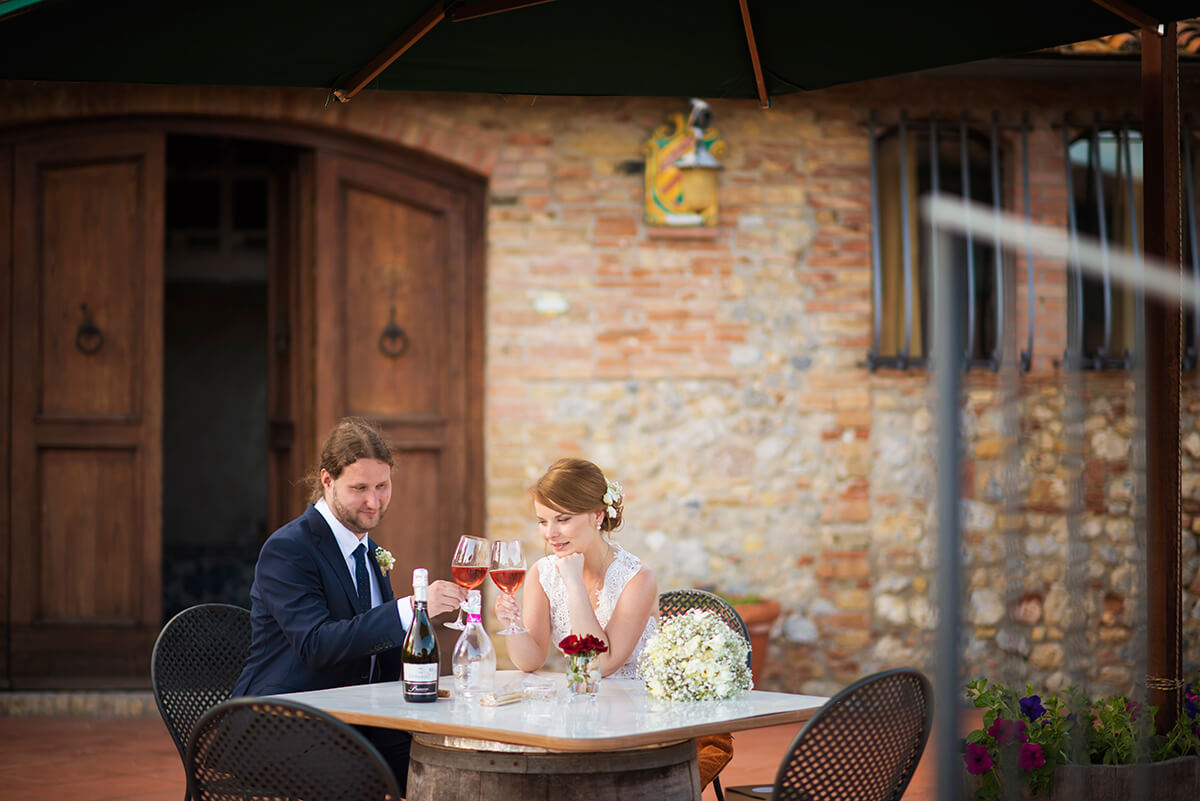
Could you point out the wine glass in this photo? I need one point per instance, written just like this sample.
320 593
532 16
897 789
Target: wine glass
469 567
508 573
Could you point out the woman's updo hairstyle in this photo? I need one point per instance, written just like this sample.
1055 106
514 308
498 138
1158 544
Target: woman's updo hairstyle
575 486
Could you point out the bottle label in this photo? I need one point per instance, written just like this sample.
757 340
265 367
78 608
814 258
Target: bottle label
420 673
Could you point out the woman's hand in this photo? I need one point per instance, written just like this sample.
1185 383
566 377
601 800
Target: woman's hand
571 569
507 609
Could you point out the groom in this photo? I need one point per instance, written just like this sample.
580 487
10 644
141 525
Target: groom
322 612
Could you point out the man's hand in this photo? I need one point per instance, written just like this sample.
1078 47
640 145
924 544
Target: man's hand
445 596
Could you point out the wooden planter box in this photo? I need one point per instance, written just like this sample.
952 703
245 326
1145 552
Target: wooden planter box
1172 780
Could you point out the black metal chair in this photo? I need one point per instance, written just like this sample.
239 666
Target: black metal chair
864 744
198 657
274 749
677 602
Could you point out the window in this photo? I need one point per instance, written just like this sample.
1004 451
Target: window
910 160
1104 177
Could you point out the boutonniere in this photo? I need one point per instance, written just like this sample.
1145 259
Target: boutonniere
385 560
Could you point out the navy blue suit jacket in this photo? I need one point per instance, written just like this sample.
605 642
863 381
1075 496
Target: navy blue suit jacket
306 632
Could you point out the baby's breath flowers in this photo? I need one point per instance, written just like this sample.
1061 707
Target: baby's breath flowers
385 560
695 657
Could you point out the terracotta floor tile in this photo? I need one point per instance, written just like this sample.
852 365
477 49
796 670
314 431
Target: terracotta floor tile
134 759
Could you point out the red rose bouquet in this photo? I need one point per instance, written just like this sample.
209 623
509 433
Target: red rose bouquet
583 673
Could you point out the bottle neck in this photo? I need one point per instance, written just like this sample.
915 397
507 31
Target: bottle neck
420 595
474 617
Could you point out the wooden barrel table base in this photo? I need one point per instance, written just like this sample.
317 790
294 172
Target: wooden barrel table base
437 772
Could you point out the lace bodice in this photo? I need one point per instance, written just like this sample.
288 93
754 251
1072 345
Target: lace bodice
623 568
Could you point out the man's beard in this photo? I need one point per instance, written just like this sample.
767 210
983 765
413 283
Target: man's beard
352 521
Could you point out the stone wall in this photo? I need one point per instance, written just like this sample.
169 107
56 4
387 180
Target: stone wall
721 378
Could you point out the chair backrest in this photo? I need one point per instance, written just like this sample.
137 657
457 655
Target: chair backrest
864 744
276 749
676 602
197 659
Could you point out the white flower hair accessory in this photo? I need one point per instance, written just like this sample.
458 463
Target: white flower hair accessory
611 496
385 560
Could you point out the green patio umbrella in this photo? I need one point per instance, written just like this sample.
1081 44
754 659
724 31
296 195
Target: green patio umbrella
711 48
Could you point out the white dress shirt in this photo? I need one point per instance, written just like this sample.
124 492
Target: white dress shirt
347 541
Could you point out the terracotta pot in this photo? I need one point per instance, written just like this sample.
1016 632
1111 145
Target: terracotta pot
759 616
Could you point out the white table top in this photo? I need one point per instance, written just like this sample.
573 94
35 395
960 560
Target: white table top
622 716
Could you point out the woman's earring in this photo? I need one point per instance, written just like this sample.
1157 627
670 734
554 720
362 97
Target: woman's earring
599 523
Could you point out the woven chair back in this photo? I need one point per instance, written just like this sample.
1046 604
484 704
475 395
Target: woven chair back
676 602
864 744
197 659
275 749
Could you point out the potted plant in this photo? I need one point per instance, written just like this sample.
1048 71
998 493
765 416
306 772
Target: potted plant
759 615
1072 747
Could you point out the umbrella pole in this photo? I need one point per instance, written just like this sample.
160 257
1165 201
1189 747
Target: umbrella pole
1161 187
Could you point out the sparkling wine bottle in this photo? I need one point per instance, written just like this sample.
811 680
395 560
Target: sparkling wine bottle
419 655
474 658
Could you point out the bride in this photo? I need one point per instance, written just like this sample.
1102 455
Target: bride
587 584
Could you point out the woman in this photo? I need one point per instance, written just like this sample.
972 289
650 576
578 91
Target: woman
588 584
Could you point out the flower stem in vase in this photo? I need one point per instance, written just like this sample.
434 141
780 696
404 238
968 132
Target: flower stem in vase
583 675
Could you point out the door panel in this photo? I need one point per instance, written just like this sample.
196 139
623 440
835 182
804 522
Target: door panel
86 420
100 584
6 206
86 216
398 251
394 254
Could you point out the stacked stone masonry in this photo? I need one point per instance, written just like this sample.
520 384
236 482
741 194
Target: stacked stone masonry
722 380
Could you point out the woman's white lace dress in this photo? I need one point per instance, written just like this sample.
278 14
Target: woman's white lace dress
623 568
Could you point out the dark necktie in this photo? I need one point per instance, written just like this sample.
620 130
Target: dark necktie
361 579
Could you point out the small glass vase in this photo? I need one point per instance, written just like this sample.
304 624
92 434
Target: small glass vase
583 675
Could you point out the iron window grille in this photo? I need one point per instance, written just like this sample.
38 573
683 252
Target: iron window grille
1104 184
960 157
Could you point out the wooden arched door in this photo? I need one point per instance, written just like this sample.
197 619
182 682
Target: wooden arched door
365 240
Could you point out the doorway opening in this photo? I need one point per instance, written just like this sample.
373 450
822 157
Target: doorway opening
215 378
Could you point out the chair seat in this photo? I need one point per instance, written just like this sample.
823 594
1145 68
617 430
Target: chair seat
864 744
743 791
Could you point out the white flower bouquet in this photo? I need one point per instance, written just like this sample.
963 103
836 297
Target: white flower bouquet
695 657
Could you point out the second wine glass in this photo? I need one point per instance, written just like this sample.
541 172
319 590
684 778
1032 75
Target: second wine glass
469 567
508 573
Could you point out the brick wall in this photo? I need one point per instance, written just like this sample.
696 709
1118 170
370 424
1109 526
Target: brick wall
721 378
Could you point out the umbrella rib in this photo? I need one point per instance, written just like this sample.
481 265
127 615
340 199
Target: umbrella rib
1129 13
485 8
763 99
381 62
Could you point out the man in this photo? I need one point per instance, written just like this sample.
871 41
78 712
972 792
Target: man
322 611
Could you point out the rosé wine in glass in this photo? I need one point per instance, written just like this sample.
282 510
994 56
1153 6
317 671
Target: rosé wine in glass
469 568
508 573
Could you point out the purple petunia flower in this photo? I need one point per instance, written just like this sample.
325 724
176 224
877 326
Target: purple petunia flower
1030 757
1008 731
1032 708
1134 709
978 759
1191 705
